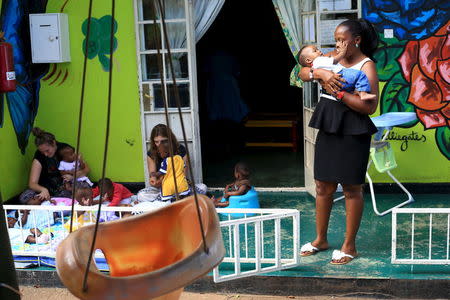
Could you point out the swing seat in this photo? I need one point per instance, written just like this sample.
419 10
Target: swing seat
149 255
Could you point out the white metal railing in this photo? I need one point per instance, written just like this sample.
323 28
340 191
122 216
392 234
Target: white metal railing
429 238
255 242
41 250
264 225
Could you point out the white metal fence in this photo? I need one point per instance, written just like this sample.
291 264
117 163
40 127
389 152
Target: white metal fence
264 240
420 236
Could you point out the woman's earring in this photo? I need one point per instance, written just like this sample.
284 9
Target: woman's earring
357 46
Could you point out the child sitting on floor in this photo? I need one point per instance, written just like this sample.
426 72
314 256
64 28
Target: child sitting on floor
356 80
166 174
84 197
114 194
67 164
240 187
36 236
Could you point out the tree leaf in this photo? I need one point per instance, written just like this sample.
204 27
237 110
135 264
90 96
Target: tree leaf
105 61
93 48
105 45
95 28
443 140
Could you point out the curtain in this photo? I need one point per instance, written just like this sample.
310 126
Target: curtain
205 12
288 12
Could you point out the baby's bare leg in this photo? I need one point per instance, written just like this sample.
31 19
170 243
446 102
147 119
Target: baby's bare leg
366 96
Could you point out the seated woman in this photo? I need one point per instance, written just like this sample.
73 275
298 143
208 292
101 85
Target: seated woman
45 178
160 133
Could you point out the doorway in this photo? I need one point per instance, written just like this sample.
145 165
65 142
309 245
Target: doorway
248 110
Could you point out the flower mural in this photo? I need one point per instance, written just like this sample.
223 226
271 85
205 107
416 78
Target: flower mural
99 39
426 64
415 64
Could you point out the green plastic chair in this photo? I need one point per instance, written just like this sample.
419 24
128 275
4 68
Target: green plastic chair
382 156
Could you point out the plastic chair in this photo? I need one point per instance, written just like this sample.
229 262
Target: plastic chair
382 156
248 200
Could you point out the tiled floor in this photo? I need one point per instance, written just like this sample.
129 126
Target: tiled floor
373 241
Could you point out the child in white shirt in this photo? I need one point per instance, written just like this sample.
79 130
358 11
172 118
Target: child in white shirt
67 163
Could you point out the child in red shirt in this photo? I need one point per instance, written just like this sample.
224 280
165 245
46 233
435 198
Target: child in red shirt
112 192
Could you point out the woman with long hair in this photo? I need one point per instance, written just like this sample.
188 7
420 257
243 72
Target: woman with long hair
45 179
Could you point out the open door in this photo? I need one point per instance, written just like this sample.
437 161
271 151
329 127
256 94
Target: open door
310 96
179 20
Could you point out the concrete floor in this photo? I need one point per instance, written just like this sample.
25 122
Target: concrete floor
35 293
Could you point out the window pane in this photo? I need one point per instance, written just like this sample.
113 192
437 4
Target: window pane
149 65
151 42
183 89
146 97
308 5
174 9
177 35
180 66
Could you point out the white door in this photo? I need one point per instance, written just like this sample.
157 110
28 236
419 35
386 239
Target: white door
319 19
179 26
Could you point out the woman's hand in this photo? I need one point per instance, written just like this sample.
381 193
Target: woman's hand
331 81
153 180
44 195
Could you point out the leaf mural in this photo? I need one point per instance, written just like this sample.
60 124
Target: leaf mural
443 140
386 66
395 93
99 40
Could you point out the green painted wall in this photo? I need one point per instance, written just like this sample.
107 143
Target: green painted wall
59 104
419 161
13 165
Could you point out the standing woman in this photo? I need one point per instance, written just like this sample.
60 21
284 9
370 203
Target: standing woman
45 179
343 141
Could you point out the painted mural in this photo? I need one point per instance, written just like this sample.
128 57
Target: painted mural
24 102
99 40
415 65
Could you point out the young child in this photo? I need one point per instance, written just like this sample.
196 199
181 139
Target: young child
36 236
240 187
114 194
84 197
356 80
67 163
34 218
165 174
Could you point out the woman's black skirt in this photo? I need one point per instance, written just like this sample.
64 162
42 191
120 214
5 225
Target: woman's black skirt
341 158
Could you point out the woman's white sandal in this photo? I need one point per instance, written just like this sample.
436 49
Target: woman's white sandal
308 249
338 255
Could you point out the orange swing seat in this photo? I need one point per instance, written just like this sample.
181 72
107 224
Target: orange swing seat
153 255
